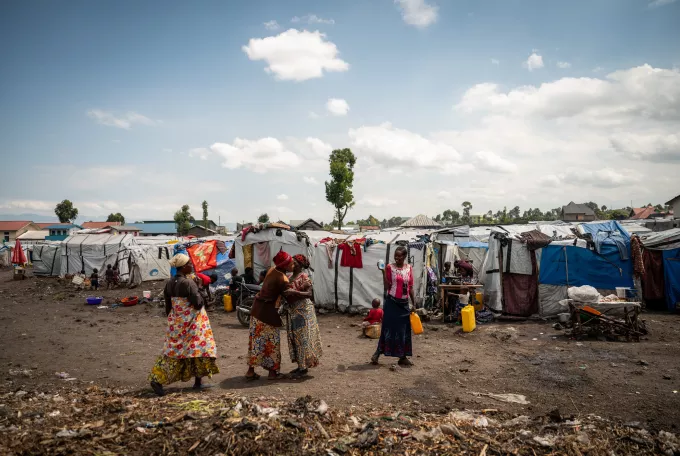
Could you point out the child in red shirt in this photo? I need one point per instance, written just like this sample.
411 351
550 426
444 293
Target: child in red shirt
375 316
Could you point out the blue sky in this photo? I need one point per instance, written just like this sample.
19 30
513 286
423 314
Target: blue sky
140 107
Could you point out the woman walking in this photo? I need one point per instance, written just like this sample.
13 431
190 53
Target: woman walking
395 333
304 341
190 350
264 345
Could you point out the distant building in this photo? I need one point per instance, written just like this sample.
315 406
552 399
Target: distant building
369 228
573 212
44 225
33 237
125 229
151 228
309 224
421 221
209 224
10 230
199 231
476 219
643 213
241 226
61 232
99 225
674 204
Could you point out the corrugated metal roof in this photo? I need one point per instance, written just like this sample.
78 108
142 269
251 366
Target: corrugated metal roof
156 228
573 208
420 221
44 225
642 213
13 225
97 225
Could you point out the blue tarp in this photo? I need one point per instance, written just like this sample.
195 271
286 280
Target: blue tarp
671 275
473 245
610 225
605 270
224 264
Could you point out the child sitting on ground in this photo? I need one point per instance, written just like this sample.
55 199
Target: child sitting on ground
374 317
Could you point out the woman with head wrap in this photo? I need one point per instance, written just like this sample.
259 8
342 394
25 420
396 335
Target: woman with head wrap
304 341
190 350
264 345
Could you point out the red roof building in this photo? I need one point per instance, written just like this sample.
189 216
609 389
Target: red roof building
11 229
642 213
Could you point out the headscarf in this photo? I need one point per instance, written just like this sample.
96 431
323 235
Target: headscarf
304 262
179 260
282 259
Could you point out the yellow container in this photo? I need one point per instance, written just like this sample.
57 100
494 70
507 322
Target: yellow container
479 298
416 325
227 303
468 316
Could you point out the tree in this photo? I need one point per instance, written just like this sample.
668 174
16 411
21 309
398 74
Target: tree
339 189
65 211
438 218
204 205
514 213
183 220
264 218
658 208
467 207
117 217
603 208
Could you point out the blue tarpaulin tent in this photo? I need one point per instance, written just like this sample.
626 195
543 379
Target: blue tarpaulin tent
671 270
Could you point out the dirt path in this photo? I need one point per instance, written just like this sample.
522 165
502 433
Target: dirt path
48 329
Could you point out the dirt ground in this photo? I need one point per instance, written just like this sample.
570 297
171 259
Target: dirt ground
47 328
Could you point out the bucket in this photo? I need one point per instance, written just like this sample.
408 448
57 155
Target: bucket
146 294
621 292
228 307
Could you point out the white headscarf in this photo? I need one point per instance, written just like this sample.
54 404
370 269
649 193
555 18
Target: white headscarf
179 260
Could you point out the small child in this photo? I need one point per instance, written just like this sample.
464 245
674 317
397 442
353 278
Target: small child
94 279
375 316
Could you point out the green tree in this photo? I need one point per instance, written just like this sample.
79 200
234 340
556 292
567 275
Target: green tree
514 213
264 218
467 207
183 220
65 211
438 218
204 206
659 208
451 216
117 217
339 189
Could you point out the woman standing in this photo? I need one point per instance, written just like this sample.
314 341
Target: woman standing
189 343
395 333
304 341
264 345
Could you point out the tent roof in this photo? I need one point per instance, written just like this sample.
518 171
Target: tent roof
663 240
421 221
99 239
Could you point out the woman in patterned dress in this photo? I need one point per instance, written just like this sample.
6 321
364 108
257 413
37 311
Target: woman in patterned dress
395 333
189 342
264 343
304 341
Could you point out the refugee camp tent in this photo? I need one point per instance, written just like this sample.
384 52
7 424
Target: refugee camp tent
47 259
90 251
350 288
475 252
5 256
149 262
662 267
257 249
223 264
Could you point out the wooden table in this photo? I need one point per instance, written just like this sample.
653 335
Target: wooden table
631 327
444 289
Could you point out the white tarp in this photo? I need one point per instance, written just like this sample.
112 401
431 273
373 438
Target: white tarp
475 254
489 275
150 262
47 259
90 251
288 242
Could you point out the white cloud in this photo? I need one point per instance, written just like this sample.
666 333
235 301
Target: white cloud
534 62
312 19
296 55
386 145
417 12
125 121
259 155
490 161
318 148
271 25
376 201
563 65
310 180
30 205
444 195
201 152
656 147
658 3
495 62
282 197
337 106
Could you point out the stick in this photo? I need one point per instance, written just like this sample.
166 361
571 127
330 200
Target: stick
483 452
574 404
322 430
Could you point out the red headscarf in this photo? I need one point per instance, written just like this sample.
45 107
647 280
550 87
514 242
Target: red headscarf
304 262
282 260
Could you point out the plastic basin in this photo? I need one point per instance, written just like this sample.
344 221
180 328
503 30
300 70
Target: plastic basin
94 300
130 301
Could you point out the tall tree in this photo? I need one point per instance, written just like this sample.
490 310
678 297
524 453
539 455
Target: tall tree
339 189
204 206
264 218
117 217
66 212
514 213
467 207
183 220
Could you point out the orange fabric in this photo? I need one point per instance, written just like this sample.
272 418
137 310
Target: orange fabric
203 256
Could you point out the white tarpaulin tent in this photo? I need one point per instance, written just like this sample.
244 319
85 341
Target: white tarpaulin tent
90 251
150 262
47 259
266 244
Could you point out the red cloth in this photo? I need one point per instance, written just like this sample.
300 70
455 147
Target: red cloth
203 256
351 255
282 259
18 256
653 282
374 316
520 291
204 278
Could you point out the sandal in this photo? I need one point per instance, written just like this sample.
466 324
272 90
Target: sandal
157 388
250 378
300 373
374 359
405 362
295 371
277 377
202 386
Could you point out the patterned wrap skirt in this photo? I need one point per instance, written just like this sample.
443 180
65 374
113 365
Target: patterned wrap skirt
189 349
395 333
264 345
304 340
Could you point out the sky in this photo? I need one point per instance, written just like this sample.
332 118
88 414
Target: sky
139 107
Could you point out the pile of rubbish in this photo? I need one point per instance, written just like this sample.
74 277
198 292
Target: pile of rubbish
93 420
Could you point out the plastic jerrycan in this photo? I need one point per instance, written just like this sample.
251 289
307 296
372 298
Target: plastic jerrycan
468 317
227 303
